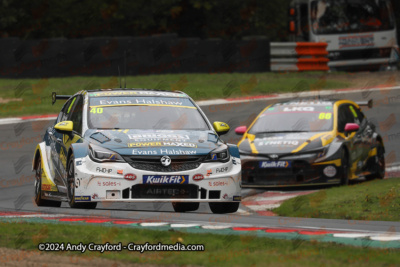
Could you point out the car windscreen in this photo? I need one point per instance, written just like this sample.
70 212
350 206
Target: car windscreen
294 118
351 16
160 113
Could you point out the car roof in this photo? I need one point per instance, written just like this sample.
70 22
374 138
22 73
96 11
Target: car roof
135 92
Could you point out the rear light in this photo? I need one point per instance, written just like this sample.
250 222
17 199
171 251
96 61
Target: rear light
130 177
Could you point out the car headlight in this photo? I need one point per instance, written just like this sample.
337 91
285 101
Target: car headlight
220 154
101 154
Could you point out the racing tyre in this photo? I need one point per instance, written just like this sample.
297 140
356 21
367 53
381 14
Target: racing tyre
224 207
185 206
379 164
38 189
345 168
71 189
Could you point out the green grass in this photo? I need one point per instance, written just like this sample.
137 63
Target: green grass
36 93
228 250
377 200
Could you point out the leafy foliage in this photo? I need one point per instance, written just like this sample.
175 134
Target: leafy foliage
189 18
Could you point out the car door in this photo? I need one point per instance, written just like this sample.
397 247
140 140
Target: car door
55 141
74 114
365 132
354 140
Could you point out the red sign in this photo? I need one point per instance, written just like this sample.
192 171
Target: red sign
198 177
130 176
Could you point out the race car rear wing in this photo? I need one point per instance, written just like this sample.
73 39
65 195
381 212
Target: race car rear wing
368 103
54 97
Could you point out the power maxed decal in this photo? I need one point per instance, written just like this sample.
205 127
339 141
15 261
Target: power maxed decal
155 144
165 179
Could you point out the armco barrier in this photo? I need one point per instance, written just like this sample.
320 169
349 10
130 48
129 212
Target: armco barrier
299 56
158 54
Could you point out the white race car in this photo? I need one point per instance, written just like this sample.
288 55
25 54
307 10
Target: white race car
136 145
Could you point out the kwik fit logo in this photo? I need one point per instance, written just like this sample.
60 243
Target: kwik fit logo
165 179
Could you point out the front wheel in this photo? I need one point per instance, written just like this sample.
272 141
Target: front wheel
71 189
38 189
379 164
185 206
345 168
224 207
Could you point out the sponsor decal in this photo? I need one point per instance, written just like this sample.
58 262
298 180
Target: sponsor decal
275 164
108 183
95 196
225 196
330 171
198 177
82 198
214 156
163 151
165 179
165 191
103 170
130 177
46 187
209 172
305 103
220 170
155 137
354 41
177 152
141 101
279 143
120 172
237 198
143 152
144 101
78 163
218 183
153 144
133 93
291 109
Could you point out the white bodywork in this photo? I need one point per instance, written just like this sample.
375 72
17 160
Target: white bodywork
108 187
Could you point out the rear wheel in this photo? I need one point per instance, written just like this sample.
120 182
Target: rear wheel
224 207
38 189
185 206
71 189
345 168
379 164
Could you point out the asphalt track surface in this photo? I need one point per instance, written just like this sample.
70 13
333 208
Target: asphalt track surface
18 141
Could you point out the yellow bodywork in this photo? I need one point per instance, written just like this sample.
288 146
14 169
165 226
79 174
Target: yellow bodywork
47 183
66 126
326 137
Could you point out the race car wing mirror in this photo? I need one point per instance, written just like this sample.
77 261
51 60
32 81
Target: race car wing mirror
64 126
54 97
351 127
221 127
241 130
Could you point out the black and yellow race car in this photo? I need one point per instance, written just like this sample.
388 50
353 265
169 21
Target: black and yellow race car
310 142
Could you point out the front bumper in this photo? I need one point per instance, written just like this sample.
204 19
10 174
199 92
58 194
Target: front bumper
105 182
300 172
